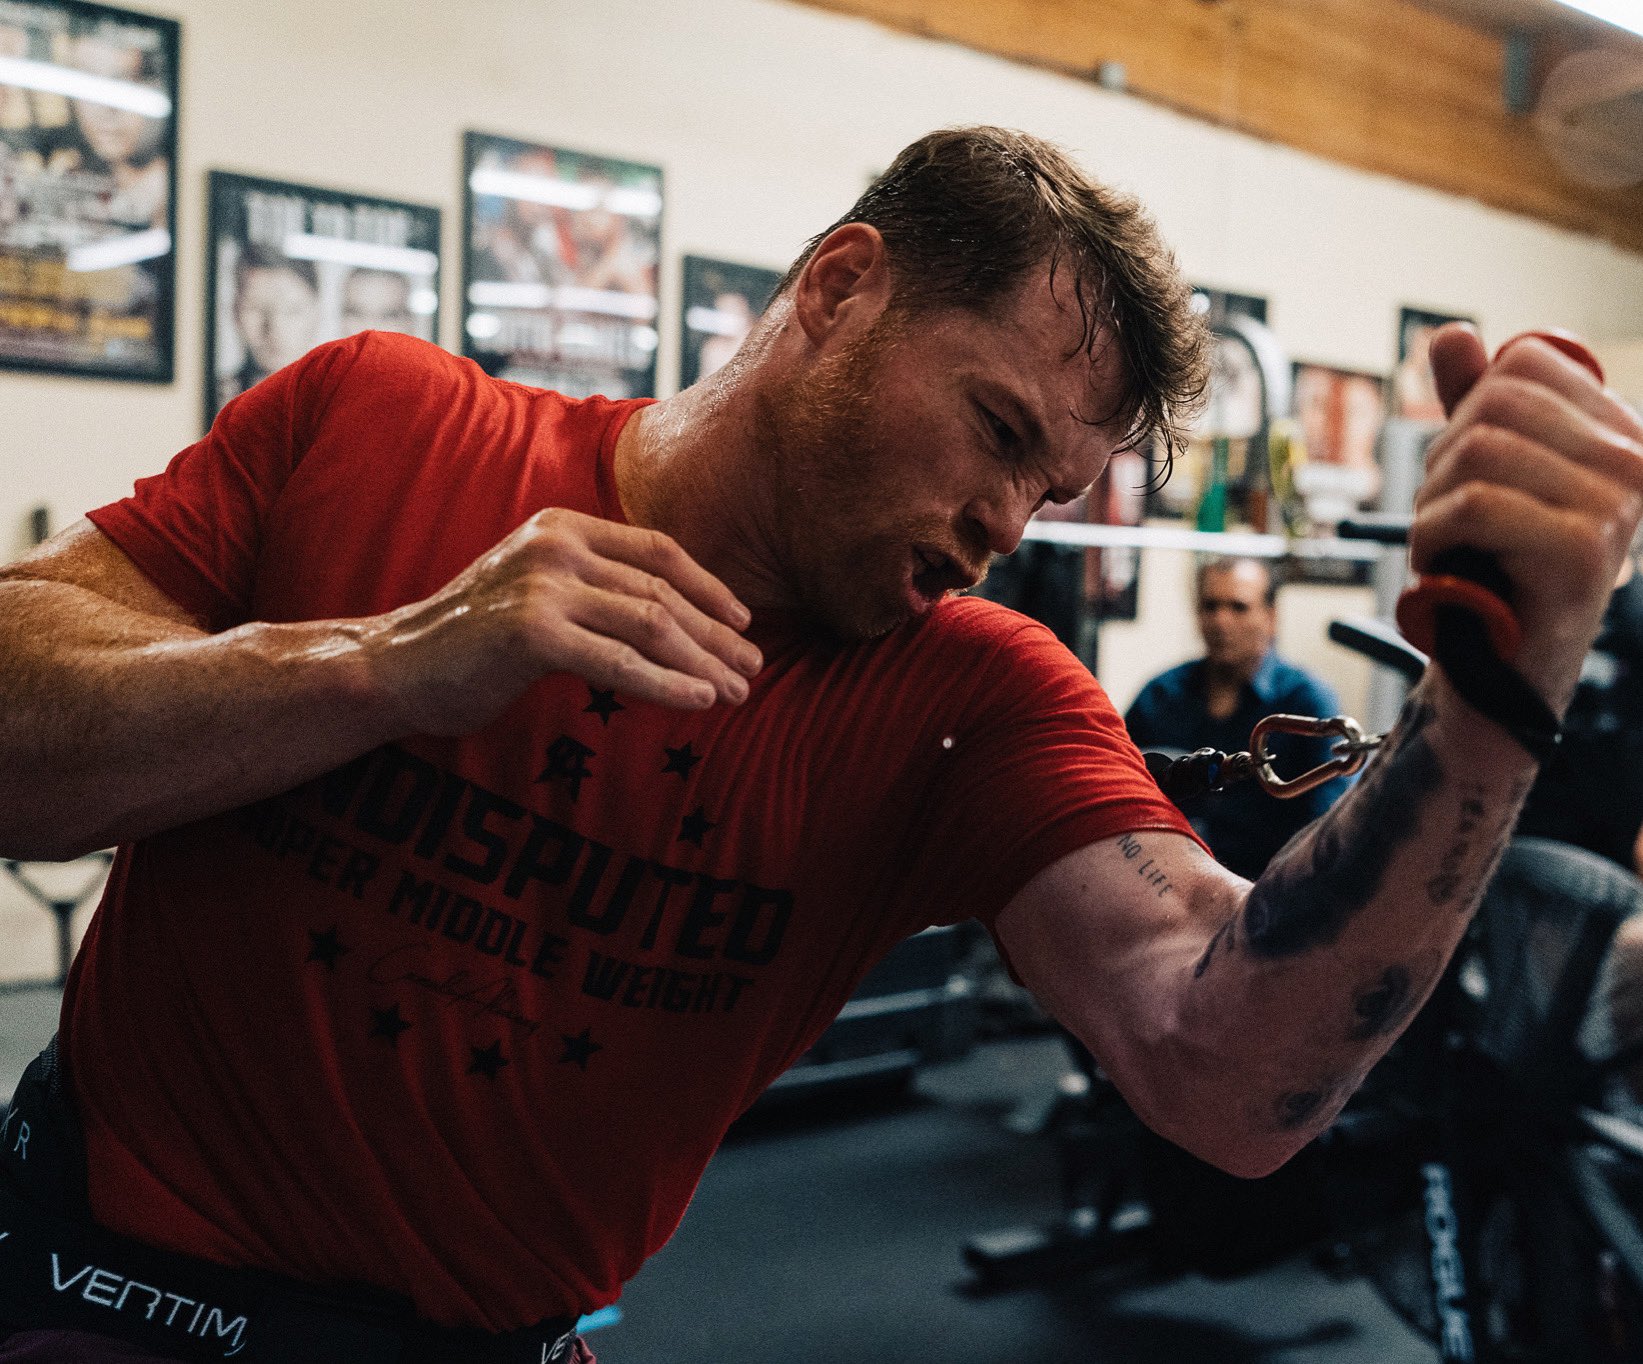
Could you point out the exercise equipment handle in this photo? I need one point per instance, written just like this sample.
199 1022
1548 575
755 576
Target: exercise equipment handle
1469 583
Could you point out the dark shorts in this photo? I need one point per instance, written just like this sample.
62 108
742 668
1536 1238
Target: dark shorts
73 1347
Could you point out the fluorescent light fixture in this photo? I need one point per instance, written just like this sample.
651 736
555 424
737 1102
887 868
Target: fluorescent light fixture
606 302
424 302
402 260
1626 14
580 336
610 302
483 326
645 338
716 321
116 251
546 189
634 203
65 80
532 189
496 294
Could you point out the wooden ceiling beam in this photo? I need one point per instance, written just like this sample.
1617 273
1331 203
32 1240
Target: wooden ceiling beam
1383 85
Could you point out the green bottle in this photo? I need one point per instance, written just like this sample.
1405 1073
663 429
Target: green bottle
1212 503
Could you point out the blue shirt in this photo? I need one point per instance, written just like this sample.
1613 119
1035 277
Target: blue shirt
1243 825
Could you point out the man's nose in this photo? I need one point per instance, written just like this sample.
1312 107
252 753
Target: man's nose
999 521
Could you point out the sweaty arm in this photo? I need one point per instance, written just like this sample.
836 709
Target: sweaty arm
1238 1018
123 716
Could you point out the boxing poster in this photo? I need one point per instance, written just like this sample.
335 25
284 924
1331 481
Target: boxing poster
1234 413
1338 415
1414 392
560 250
290 266
1331 468
721 303
88 189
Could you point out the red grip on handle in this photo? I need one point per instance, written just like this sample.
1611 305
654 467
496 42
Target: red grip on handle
1417 613
1418 606
1570 344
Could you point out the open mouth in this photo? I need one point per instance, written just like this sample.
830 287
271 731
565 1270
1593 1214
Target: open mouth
936 574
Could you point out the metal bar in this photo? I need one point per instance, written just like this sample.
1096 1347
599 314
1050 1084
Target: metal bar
1240 543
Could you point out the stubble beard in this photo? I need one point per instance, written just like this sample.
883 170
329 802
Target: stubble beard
820 432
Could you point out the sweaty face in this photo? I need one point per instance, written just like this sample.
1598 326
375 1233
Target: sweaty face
1237 625
913 451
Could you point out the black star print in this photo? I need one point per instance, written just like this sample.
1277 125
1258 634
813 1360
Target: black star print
603 704
487 1061
680 760
579 1049
325 947
568 761
694 826
387 1024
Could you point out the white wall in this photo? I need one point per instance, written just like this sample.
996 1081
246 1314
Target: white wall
768 117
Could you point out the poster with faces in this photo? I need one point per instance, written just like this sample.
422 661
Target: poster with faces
560 252
1334 467
1414 391
291 266
1235 412
88 136
721 303
1338 415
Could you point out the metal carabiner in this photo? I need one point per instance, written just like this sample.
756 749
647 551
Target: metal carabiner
1351 751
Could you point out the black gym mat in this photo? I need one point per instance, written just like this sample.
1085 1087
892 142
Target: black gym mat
833 1232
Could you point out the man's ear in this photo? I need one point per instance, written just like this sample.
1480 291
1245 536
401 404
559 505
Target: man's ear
844 284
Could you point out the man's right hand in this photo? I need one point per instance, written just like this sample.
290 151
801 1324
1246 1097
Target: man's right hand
623 608
123 717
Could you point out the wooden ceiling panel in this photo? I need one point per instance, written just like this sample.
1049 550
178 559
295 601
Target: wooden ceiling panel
1527 16
1406 89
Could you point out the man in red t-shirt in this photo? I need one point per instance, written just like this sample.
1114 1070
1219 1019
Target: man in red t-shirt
508 788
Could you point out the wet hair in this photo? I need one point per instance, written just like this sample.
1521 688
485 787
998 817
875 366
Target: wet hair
967 214
1228 563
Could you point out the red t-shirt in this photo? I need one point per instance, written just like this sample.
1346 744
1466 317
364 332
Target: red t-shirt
466 1018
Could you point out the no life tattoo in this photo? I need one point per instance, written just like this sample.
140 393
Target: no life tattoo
1148 870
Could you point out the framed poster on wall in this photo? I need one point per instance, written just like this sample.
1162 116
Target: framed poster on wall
289 266
1414 393
559 260
1338 413
88 190
1112 576
721 303
1233 411
1337 419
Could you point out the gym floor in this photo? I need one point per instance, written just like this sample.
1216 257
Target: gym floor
832 1229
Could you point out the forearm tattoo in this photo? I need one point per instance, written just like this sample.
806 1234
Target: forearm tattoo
1294 1111
1323 878
1330 871
1388 1000
1328 875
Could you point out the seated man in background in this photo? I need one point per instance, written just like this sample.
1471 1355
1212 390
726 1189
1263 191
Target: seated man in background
1215 702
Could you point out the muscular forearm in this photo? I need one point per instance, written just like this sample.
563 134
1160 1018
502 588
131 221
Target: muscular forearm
120 718
118 723
1342 939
